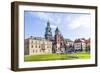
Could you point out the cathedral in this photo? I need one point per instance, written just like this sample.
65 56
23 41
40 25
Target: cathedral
58 42
53 43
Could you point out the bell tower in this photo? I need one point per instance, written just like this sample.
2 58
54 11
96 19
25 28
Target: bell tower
57 40
57 36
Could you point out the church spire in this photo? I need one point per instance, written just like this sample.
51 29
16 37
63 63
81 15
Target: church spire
48 24
57 31
48 33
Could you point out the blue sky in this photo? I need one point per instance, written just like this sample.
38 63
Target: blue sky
71 25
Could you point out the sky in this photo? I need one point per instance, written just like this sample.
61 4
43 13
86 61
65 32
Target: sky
71 25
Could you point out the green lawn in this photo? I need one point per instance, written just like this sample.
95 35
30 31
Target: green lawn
46 57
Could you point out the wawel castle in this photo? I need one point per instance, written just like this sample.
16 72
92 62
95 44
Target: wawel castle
54 44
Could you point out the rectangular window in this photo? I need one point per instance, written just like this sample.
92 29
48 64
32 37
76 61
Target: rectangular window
32 46
39 46
32 42
36 46
33 51
36 51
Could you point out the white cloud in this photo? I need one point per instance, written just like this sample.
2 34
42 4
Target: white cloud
53 19
43 16
73 21
53 26
83 21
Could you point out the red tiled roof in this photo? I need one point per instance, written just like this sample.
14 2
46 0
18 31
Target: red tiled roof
79 40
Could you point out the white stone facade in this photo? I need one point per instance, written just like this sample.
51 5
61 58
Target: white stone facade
37 46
